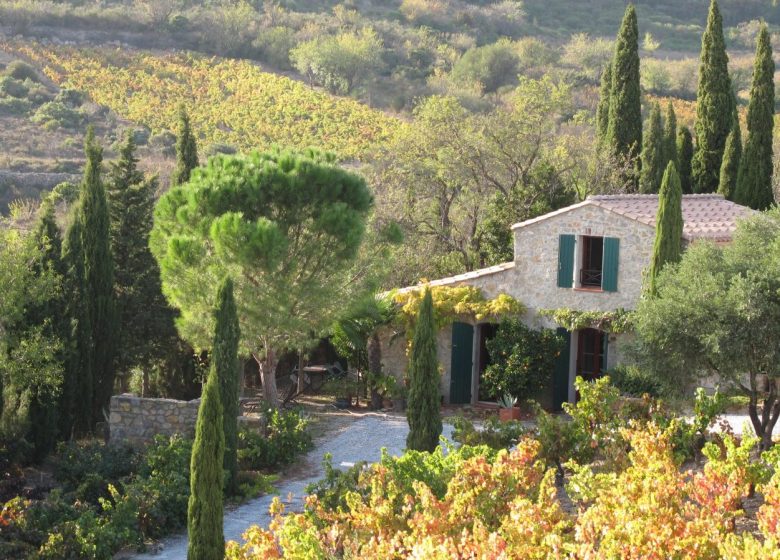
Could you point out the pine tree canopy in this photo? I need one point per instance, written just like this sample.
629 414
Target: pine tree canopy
423 407
653 151
684 158
714 106
754 183
624 130
667 247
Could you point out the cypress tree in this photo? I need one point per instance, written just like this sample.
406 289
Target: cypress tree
423 413
731 159
714 106
653 150
602 110
99 276
77 393
754 184
670 136
186 150
204 511
147 330
667 247
624 129
684 158
226 367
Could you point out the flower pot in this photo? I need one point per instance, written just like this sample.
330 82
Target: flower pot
509 414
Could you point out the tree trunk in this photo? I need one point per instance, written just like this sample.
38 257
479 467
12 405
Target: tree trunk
374 368
301 363
764 424
268 377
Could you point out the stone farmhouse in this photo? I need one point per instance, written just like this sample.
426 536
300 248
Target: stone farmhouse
590 256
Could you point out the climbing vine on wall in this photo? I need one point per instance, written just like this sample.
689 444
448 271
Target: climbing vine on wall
616 322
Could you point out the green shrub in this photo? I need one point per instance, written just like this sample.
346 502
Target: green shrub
12 88
635 382
284 439
70 98
494 434
88 467
492 66
274 46
21 71
562 440
54 114
13 106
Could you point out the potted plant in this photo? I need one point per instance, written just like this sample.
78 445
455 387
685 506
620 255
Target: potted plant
507 409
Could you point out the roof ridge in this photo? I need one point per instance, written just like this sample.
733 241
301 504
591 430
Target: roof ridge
714 196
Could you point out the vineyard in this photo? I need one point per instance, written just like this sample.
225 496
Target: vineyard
230 102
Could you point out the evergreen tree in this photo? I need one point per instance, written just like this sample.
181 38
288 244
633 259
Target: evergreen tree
99 276
204 511
670 136
224 356
667 247
147 330
602 111
731 157
754 184
653 151
186 150
714 106
624 129
77 392
423 413
684 158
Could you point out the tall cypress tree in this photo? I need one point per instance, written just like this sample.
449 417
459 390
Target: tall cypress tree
186 150
77 392
754 184
732 155
714 106
224 356
653 152
684 158
205 510
624 130
667 247
670 136
99 276
147 332
602 110
423 413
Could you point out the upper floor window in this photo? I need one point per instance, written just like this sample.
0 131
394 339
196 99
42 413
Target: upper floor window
593 266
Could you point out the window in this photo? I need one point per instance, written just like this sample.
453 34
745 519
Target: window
591 270
591 353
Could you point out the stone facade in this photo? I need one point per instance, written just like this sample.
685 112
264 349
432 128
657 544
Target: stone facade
136 421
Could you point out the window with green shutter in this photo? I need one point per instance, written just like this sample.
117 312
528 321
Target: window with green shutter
566 245
609 282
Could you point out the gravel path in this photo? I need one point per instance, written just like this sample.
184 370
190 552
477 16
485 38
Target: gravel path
360 440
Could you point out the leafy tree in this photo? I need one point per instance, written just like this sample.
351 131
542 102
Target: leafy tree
286 226
491 66
717 314
714 106
204 511
624 130
670 136
423 407
732 156
684 158
148 334
754 184
667 246
522 359
227 368
186 150
98 276
339 62
653 153
602 110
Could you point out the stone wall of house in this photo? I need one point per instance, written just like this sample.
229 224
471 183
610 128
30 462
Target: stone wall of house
136 420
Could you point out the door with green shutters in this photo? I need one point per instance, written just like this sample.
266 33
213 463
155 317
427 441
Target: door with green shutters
462 363
561 377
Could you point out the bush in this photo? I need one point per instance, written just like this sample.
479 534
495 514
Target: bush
55 114
491 66
632 381
88 467
494 434
284 438
12 106
523 359
21 71
274 46
12 88
70 98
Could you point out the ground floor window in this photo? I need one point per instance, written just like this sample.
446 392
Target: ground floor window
591 353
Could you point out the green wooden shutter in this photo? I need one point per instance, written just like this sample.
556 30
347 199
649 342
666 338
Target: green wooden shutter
566 260
609 278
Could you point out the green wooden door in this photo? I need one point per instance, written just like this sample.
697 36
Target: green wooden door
462 363
561 379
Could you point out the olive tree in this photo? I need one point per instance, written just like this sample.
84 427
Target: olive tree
286 226
717 314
